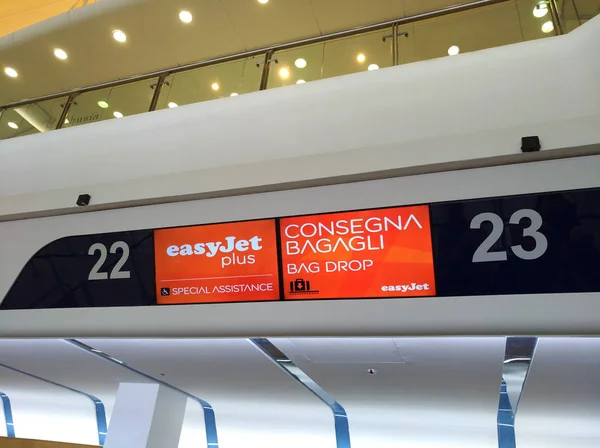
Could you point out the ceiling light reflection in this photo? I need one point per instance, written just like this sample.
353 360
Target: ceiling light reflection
300 81
263 2
234 94
119 36
185 16
117 114
300 63
372 67
548 27
60 53
453 50
172 105
11 72
284 72
540 10
103 104
12 125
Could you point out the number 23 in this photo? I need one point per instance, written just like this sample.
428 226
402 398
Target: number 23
483 254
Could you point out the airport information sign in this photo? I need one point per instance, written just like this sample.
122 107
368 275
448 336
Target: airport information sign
527 244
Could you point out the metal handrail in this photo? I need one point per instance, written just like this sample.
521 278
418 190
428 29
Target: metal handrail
259 52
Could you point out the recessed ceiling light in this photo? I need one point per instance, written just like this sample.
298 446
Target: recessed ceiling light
372 67
361 58
117 114
60 53
548 27
215 86
540 10
11 72
103 104
263 2
284 72
119 36
12 125
453 50
234 94
185 16
300 63
300 81
172 105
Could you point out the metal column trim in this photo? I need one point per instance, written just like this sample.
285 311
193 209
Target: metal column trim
340 417
98 405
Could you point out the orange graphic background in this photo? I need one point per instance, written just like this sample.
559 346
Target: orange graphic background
406 258
200 270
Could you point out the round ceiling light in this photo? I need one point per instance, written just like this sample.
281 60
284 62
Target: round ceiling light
453 50
300 63
540 10
300 81
11 72
234 94
361 58
119 36
12 125
215 86
284 73
263 2
548 27
372 67
172 105
103 104
185 16
60 53
117 114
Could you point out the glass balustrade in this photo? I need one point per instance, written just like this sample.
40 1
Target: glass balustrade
211 82
364 52
441 35
110 103
30 119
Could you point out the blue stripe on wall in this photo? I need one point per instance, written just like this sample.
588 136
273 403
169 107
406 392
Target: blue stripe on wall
8 417
99 406
505 420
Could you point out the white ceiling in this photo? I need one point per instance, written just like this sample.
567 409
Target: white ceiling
157 39
428 392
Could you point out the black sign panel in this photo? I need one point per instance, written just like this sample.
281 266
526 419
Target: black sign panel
533 244
115 269
529 244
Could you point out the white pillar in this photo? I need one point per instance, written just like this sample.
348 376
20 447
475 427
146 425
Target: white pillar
146 415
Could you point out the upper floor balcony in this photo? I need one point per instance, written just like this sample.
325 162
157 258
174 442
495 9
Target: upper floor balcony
417 36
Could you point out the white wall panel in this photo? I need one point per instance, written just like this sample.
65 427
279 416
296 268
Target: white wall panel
474 106
439 392
46 412
560 405
256 405
564 314
429 393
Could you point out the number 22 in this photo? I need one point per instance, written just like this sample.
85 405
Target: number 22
116 272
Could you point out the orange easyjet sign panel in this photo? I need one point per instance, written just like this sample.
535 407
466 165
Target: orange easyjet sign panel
371 253
230 262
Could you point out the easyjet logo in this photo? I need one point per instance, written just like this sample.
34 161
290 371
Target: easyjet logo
212 248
